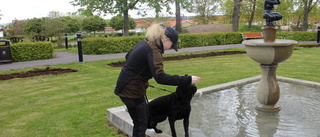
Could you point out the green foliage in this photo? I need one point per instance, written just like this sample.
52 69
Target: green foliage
74 104
73 25
298 36
118 7
207 39
117 34
117 23
254 28
109 45
94 23
53 27
122 7
205 9
34 25
31 51
124 44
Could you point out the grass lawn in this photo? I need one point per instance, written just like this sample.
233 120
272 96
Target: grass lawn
74 104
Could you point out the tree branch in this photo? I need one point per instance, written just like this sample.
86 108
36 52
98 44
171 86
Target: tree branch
131 6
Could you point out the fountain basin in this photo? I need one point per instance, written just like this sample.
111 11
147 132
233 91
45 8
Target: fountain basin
269 52
231 113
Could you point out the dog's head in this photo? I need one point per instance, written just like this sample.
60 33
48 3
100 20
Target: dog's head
186 90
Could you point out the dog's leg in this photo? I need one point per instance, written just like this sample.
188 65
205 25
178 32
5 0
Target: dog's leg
152 123
186 123
173 130
186 126
157 130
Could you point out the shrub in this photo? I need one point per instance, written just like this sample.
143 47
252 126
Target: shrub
124 44
109 45
207 39
298 36
27 51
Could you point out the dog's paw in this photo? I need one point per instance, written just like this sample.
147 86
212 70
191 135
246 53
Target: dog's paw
157 130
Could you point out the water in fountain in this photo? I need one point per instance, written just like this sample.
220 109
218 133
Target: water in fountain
231 112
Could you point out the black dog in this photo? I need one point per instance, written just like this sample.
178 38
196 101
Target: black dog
175 106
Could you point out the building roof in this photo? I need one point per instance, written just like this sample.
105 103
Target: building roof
109 29
143 23
173 23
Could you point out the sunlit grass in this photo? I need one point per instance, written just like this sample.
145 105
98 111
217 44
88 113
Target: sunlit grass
74 104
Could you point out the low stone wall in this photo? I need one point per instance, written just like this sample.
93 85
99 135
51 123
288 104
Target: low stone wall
121 119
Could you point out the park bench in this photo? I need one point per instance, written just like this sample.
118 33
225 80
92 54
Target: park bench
40 38
15 40
252 35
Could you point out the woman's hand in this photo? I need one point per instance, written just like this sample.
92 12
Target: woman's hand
195 79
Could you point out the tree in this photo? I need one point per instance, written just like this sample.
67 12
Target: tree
250 8
18 26
55 27
94 23
307 5
72 23
178 17
235 15
286 8
58 26
205 9
54 14
252 12
314 14
34 26
119 7
116 23
227 10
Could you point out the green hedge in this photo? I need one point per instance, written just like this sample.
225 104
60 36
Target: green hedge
124 44
206 39
109 45
298 36
27 51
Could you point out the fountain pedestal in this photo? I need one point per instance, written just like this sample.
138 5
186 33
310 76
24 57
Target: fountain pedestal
269 54
268 92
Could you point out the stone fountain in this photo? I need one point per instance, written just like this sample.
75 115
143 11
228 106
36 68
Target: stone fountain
269 51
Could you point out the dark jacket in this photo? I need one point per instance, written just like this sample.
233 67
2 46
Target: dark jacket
143 62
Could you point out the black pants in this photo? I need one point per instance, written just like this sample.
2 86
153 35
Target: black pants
138 111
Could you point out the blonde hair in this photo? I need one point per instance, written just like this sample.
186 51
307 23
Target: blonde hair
154 33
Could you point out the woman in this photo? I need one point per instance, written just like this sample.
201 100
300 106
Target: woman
143 62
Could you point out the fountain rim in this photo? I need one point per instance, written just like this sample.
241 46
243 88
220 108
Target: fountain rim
120 118
276 43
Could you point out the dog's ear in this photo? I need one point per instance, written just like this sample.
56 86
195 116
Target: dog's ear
194 88
185 74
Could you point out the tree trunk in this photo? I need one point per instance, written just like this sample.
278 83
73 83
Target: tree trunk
252 15
236 15
305 16
178 17
298 23
305 22
126 23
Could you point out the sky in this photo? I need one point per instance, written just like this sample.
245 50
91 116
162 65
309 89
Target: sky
29 9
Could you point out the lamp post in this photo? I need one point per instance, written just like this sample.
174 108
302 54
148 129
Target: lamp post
80 48
66 41
318 38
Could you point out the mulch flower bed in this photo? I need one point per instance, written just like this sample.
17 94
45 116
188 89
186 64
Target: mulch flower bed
56 71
